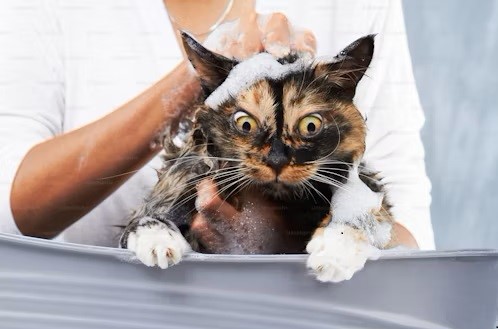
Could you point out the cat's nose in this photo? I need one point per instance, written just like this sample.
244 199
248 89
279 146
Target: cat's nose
278 156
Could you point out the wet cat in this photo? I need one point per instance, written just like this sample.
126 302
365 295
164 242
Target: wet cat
288 129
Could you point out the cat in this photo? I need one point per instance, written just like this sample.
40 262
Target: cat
287 128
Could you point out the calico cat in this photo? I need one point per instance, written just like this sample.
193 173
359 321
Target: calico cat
287 128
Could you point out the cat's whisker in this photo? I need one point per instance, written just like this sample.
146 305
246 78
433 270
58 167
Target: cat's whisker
328 177
132 171
216 195
245 182
317 161
298 190
236 177
332 161
203 156
221 158
325 179
194 195
333 166
240 180
307 191
382 209
230 174
325 161
174 206
225 187
182 158
332 173
304 191
192 185
317 78
330 181
331 170
317 191
193 182
377 180
228 183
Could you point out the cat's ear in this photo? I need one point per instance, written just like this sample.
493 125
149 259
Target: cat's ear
212 68
348 67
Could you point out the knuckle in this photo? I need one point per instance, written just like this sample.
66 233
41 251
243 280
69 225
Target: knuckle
279 18
310 38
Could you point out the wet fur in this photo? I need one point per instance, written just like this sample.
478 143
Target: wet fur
278 106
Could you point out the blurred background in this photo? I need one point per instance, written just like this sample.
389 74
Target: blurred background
454 48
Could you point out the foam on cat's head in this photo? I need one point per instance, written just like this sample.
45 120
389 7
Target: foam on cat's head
223 78
262 66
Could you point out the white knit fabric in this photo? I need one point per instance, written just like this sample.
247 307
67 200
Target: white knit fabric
66 63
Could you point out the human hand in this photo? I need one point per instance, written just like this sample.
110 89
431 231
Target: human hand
254 33
255 228
403 238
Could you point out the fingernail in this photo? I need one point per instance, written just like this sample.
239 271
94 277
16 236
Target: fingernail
277 49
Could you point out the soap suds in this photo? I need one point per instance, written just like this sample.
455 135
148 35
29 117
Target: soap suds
217 40
184 128
259 67
355 204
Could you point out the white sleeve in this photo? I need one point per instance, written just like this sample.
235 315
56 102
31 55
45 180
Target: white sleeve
389 97
31 88
387 94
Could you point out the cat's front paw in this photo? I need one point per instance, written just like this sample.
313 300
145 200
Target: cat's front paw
338 252
156 243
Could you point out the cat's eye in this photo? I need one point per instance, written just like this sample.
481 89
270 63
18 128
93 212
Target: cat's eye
310 125
244 122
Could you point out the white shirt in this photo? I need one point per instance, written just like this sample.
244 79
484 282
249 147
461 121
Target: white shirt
64 64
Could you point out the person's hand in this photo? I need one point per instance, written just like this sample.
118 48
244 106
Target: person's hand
401 237
255 33
254 228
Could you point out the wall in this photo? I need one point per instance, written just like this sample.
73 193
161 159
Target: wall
454 46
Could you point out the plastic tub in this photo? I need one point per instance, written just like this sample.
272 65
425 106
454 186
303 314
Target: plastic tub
46 284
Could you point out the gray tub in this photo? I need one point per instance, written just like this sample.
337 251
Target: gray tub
45 284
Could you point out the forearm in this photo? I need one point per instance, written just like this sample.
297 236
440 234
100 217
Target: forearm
62 179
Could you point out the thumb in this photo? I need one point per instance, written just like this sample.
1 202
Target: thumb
210 204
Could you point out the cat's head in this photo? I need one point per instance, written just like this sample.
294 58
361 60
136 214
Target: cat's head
283 124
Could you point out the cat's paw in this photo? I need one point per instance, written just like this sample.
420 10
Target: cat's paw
156 243
338 252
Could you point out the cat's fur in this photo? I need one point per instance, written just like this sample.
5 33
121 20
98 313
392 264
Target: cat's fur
277 157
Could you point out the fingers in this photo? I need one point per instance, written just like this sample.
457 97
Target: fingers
248 42
213 211
207 235
253 33
304 42
209 203
280 38
276 32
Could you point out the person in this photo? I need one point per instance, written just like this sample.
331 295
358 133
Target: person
77 157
